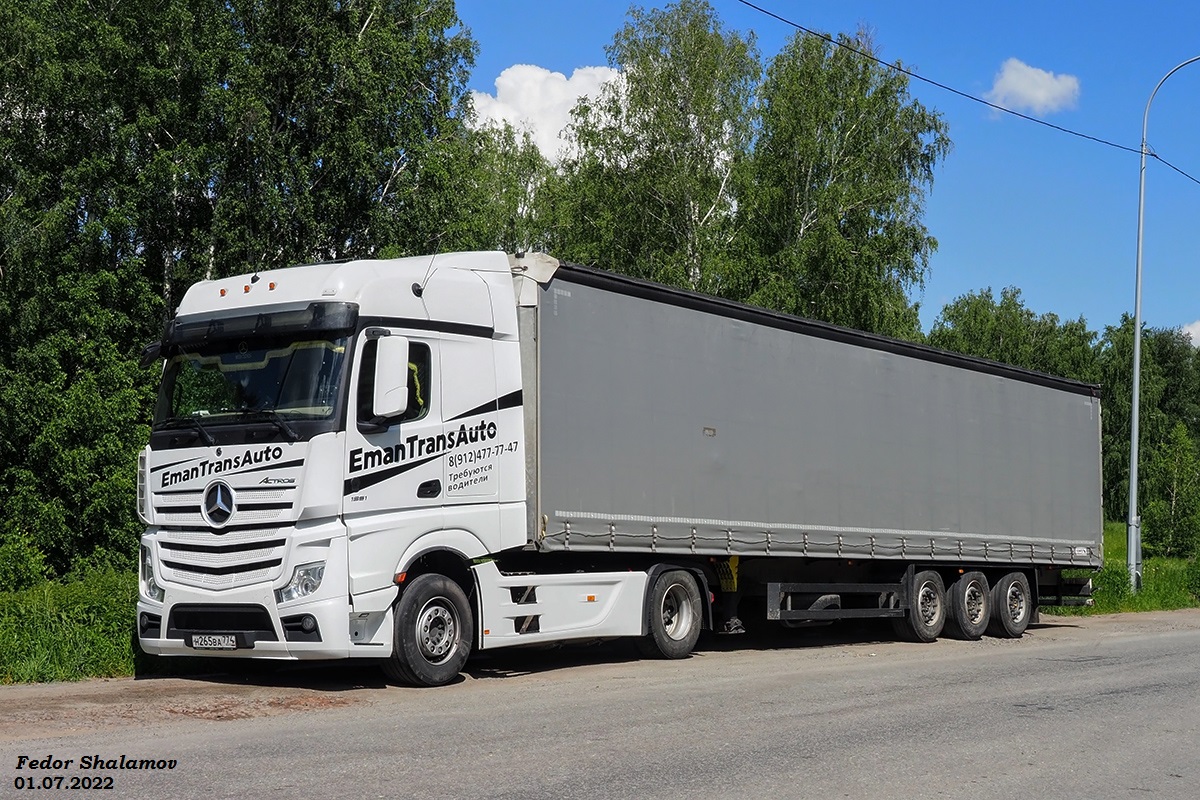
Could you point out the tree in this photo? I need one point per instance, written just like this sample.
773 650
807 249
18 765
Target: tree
1009 332
647 186
343 127
836 188
1115 363
1179 360
144 145
504 176
1171 525
91 120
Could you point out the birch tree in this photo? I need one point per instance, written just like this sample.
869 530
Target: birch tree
836 187
648 184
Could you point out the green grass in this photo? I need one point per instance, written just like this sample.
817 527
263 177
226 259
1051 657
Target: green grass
1167 583
66 632
82 629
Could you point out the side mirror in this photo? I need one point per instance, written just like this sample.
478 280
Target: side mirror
151 353
391 378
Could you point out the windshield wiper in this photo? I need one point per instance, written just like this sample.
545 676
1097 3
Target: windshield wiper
279 422
194 424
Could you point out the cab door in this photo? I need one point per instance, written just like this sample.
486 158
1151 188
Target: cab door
393 490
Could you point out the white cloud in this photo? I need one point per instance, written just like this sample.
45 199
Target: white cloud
540 101
1193 330
1021 87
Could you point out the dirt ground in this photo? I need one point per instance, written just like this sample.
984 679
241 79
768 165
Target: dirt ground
35 711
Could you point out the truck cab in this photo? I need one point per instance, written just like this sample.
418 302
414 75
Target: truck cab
319 431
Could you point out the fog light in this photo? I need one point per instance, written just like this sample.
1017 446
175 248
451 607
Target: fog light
305 580
308 623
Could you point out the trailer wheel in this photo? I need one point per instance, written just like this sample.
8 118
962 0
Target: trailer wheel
673 616
433 632
926 611
970 606
1012 606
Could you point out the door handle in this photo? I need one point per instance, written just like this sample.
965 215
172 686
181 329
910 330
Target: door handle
429 489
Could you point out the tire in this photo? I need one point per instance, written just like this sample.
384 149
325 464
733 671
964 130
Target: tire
970 607
673 616
1012 606
927 609
433 632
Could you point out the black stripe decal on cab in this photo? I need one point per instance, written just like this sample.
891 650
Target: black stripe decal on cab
510 400
357 484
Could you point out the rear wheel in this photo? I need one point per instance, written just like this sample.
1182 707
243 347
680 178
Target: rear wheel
673 616
926 611
433 632
970 606
1012 606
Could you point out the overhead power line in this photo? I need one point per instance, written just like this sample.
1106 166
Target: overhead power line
966 95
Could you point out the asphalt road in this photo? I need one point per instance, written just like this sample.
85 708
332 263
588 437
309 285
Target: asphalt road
1103 707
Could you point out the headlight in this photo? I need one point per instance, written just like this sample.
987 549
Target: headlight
143 489
305 580
149 588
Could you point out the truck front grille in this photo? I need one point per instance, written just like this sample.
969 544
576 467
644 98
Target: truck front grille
222 560
253 505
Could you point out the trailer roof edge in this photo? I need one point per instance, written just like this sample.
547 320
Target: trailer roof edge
637 287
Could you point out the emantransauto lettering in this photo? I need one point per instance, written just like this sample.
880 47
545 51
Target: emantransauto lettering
205 468
421 446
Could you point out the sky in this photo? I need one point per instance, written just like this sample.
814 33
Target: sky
1015 203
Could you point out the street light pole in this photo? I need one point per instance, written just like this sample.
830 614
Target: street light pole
1134 527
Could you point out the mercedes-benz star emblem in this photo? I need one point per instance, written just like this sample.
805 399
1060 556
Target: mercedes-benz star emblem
218 503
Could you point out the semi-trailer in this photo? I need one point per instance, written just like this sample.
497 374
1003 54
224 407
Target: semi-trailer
413 459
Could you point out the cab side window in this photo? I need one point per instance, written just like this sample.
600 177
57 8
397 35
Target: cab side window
418 381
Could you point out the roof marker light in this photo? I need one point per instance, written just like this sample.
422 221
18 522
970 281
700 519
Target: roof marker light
271 286
222 293
246 289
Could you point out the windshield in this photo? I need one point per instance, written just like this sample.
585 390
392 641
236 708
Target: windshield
235 381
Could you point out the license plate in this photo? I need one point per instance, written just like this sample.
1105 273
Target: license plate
214 641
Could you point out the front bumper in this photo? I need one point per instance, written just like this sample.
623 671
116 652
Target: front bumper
260 627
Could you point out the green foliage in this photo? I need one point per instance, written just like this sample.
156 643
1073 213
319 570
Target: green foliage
21 563
647 187
1167 583
835 188
66 632
1191 578
1115 361
1171 519
504 179
83 628
802 192
1010 333
145 145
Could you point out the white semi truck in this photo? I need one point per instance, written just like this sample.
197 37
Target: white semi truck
413 459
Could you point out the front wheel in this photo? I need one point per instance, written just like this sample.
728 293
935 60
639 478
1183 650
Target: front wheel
433 632
672 616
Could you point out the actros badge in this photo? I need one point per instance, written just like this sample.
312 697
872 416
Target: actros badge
218 503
